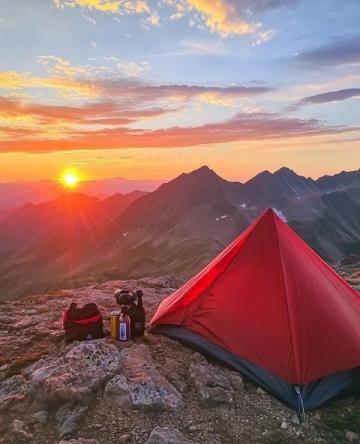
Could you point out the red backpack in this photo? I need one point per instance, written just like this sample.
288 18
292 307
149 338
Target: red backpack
82 324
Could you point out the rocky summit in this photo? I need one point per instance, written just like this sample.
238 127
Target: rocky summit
153 390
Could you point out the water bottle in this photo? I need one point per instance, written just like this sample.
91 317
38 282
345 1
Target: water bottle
124 326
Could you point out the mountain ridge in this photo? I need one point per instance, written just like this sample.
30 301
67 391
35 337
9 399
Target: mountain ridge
14 194
175 229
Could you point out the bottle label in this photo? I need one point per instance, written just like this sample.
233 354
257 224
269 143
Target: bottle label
123 332
138 327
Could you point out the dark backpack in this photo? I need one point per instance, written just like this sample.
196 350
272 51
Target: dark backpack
82 324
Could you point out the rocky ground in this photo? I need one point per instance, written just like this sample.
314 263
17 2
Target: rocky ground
153 391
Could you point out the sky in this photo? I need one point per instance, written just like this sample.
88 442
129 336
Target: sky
147 89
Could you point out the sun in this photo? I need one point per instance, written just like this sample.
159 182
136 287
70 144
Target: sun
70 179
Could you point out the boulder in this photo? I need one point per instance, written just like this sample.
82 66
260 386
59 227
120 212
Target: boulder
75 376
212 386
66 384
141 385
165 435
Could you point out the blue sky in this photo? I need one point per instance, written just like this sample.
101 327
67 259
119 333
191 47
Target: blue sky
148 77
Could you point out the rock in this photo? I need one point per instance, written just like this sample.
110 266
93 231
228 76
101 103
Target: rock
21 431
212 386
194 428
79 441
56 334
75 376
69 382
163 282
118 390
284 425
352 436
171 372
165 435
198 358
68 418
141 385
236 380
41 416
95 426
260 391
125 438
25 322
351 259
12 390
295 419
317 415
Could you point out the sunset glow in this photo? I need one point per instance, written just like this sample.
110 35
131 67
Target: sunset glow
153 88
70 179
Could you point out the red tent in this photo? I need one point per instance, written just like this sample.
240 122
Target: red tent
270 303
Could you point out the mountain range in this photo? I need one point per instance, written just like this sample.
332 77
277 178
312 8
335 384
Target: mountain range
76 239
14 194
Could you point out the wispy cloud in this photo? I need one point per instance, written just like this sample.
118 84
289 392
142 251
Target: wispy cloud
100 110
4 22
98 5
262 37
202 47
224 17
89 19
109 84
59 66
339 52
227 17
153 19
327 97
118 7
54 128
133 69
12 80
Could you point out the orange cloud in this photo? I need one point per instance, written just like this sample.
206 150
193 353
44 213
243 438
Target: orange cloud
223 17
131 90
110 6
153 19
14 80
99 5
242 127
58 66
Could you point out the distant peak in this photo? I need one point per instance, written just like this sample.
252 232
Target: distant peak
264 173
286 171
203 171
260 177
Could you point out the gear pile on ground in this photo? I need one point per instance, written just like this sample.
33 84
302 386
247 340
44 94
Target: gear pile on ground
152 390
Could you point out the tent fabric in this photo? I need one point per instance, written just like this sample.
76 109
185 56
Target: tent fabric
313 394
269 299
